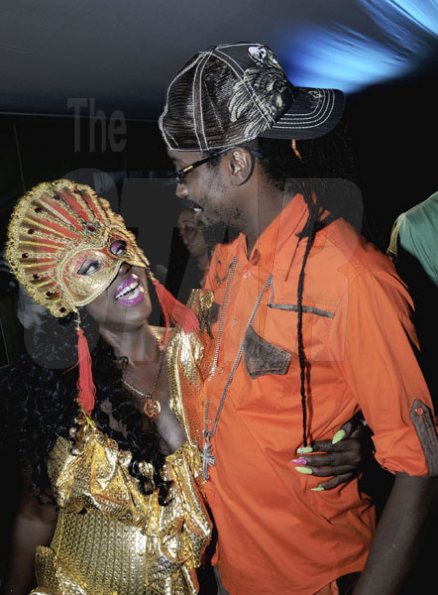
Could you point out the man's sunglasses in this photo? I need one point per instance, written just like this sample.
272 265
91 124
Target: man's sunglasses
180 174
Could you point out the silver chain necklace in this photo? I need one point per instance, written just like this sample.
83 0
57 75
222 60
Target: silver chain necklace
208 458
232 270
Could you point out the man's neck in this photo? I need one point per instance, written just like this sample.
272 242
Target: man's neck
267 208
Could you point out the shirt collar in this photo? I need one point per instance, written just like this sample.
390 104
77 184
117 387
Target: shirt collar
269 249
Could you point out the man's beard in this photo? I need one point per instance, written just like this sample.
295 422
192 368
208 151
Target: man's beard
219 233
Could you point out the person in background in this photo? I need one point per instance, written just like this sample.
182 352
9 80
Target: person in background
413 247
191 228
189 255
415 232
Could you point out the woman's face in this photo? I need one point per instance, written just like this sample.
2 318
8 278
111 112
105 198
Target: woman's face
126 303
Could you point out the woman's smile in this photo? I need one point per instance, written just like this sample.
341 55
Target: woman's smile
130 291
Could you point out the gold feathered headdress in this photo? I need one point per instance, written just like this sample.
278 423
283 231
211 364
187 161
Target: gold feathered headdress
55 227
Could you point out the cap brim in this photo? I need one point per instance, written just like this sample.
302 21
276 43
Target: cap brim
315 112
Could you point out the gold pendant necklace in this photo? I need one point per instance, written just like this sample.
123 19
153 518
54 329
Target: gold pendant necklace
151 407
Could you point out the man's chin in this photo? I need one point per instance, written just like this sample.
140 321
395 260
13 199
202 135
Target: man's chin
219 233
214 219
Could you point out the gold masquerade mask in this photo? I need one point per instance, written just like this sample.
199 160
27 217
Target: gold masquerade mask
66 245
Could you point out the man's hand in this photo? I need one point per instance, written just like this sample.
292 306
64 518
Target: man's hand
341 457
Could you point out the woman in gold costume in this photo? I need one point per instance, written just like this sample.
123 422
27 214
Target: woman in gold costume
110 501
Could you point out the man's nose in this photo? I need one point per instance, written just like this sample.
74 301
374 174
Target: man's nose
181 190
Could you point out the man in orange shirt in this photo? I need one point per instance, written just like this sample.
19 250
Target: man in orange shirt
313 325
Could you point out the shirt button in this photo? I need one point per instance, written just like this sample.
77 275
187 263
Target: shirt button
220 370
234 322
247 275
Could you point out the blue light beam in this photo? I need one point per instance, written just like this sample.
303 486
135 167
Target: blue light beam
344 58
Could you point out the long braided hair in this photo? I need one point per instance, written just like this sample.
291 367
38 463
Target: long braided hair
40 406
322 170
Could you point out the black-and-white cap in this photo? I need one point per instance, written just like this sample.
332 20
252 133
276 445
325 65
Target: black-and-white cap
233 93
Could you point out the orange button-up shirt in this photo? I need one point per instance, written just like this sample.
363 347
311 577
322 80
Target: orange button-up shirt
275 535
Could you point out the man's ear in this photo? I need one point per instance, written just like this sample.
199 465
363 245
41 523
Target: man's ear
295 149
241 165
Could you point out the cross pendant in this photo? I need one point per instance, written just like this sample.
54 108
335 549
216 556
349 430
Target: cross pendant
208 459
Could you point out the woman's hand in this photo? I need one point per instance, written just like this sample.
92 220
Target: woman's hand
341 458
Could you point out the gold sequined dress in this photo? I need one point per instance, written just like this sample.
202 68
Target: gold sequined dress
109 537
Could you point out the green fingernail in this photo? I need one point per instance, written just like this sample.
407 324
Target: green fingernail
340 435
305 470
317 489
304 450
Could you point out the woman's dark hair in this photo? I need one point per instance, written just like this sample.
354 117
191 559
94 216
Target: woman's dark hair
41 406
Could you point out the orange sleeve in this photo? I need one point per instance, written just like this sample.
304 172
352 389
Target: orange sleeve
374 345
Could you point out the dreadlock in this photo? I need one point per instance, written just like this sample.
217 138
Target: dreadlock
322 171
317 169
310 231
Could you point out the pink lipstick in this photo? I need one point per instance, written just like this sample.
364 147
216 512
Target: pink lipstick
130 292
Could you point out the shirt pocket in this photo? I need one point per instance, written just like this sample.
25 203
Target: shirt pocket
282 322
262 357
272 376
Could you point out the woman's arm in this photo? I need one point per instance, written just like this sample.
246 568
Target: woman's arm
34 525
342 458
